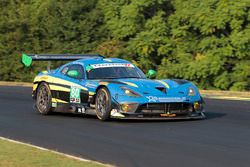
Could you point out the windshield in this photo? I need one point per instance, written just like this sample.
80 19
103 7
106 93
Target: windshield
115 72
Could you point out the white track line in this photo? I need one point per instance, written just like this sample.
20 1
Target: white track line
52 151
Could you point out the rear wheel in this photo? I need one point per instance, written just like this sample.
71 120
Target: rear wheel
103 104
43 99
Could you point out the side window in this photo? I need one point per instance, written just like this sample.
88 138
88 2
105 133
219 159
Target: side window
75 67
65 70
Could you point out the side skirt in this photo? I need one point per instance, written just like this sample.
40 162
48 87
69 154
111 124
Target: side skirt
74 108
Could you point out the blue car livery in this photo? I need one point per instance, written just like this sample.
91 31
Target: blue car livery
111 88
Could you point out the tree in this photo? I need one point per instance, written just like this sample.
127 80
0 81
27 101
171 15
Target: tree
211 42
207 42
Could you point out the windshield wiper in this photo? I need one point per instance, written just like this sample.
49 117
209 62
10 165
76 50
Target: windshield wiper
130 77
110 78
117 77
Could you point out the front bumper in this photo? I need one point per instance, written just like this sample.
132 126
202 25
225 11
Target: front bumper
195 116
134 117
162 111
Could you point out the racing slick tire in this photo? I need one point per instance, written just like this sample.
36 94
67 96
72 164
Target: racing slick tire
103 104
43 99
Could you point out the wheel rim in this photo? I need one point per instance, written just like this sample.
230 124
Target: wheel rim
101 103
42 99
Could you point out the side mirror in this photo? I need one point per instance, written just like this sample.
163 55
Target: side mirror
73 73
151 73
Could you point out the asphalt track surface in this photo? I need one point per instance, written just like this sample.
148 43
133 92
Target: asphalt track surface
222 140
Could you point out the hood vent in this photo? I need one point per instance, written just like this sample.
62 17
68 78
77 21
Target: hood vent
162 89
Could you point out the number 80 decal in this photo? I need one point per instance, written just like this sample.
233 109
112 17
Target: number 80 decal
75 95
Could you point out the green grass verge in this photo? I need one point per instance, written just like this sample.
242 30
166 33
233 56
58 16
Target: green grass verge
230 95
19 155
9 83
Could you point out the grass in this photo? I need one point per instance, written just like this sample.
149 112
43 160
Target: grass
10 83
225 94
19 155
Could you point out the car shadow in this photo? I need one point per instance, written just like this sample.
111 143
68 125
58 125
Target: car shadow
209 115
71 115
213 115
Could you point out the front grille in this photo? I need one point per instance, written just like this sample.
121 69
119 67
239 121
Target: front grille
165 107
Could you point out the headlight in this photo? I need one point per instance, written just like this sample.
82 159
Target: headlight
130 92
191 91
129 107
197 106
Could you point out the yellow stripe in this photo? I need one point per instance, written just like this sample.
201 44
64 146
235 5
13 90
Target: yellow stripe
164 83
68 83
53 100
103 83
55 87
58 100
131 84
51 79
34 86
91 93
45 78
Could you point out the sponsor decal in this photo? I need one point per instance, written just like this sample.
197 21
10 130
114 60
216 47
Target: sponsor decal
165 99
168 115
81 110
104 65
152 98
75 95
172 99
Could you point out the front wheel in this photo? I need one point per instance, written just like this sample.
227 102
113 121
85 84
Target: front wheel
43 99
103 104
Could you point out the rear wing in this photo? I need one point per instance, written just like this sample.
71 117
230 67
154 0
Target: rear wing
28 58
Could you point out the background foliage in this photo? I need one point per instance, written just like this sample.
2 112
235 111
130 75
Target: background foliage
207 42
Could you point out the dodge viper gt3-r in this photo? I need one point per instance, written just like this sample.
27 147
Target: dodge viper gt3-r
111 88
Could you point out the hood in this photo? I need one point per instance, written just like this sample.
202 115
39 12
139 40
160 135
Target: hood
157 87
163 90
141 83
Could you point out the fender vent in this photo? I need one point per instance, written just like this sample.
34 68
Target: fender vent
162 89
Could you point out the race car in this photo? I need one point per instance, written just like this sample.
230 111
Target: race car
111 88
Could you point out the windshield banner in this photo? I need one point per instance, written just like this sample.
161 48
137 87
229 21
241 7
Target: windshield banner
105 65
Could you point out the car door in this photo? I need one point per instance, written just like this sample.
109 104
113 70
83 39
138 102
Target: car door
76 93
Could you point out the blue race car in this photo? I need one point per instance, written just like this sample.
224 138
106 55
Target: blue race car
111 88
